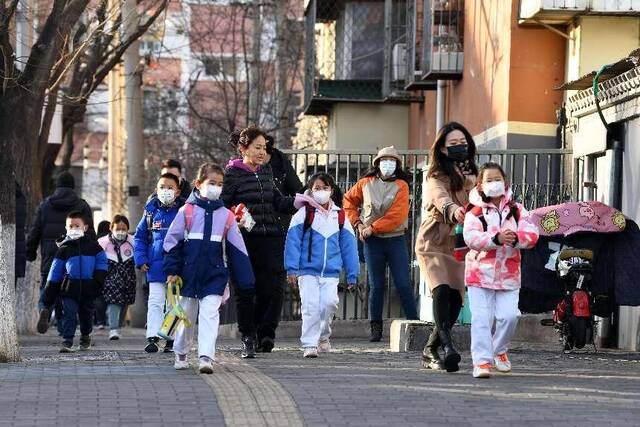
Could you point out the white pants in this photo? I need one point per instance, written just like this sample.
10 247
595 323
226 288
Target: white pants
208 317
487 306
156 307
319 298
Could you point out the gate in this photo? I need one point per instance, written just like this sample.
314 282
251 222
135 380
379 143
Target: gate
538 177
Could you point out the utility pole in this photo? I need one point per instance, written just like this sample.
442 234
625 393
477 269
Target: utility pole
135 141
282 131
253 116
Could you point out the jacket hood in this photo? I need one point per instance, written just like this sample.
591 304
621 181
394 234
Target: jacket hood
64 198
65 241
476 199
196 199
239 164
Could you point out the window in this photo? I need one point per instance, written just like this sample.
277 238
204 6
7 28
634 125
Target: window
360 41
222 68
442 39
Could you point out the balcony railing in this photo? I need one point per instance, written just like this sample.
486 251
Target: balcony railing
563 11
355 52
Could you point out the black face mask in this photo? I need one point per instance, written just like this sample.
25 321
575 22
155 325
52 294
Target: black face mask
458 153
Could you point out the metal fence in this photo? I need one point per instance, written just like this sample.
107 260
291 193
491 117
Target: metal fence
539 178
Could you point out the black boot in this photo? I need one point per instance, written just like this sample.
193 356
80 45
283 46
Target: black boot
451 355
248 348
430 356
376 331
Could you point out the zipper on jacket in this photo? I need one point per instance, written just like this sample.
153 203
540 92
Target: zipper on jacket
264 227
324 262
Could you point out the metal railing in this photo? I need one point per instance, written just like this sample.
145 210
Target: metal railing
539 178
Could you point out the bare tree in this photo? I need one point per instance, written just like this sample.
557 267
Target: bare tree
73 41
245 70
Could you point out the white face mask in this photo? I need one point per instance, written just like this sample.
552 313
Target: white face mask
322 196
166 195
493 189
387 167
212 192
120 235
75 233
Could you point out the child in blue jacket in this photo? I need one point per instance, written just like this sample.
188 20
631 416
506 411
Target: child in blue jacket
77 275
148 253
320 243
204 247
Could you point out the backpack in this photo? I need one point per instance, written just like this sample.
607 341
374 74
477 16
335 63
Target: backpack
188 221
310 214
514 212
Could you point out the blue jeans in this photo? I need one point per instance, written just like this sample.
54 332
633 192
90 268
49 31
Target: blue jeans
114 314
378 253
72 312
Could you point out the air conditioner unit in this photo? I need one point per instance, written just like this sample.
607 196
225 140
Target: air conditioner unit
399 62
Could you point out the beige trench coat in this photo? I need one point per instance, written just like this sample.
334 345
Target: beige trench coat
435 240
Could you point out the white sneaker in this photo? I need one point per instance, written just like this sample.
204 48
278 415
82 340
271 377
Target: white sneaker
324 347
310 352
502 363
206 366
114 334
482 371
181 362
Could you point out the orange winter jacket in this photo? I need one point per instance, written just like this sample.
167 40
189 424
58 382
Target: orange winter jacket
383 205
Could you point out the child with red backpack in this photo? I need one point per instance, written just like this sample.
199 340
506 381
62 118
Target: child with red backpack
320 243
204 247
495 229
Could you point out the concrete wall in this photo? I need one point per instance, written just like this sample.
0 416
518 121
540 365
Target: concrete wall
509 75
355 126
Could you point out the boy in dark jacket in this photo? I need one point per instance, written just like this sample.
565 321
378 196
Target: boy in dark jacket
77 274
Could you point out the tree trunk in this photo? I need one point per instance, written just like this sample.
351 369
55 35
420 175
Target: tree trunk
9 347
27 295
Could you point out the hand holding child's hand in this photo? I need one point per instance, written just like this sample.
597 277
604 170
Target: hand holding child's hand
459 215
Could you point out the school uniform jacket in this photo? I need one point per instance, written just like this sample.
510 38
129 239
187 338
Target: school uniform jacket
197 254
332 248
150 235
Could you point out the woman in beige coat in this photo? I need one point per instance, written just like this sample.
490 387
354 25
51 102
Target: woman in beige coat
451 175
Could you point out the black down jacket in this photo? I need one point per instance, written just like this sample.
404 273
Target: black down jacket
286 180
49 224
257 191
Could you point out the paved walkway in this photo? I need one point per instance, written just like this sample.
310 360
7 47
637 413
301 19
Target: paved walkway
358 384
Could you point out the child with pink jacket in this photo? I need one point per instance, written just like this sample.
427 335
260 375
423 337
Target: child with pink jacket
495 229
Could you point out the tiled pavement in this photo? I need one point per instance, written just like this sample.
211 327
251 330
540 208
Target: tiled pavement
358 384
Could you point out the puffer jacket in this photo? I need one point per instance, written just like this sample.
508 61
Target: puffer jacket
197 254
286 180
258 192
78 270
149 237
489 265
332 248
49 224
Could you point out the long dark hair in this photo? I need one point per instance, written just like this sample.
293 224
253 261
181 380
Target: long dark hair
440 164
399 173
336 194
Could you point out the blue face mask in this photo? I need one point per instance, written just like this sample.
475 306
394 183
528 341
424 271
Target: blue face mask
458 153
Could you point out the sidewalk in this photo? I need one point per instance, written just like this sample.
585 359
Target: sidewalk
359 384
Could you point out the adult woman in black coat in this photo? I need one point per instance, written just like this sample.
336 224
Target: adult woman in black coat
250 181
